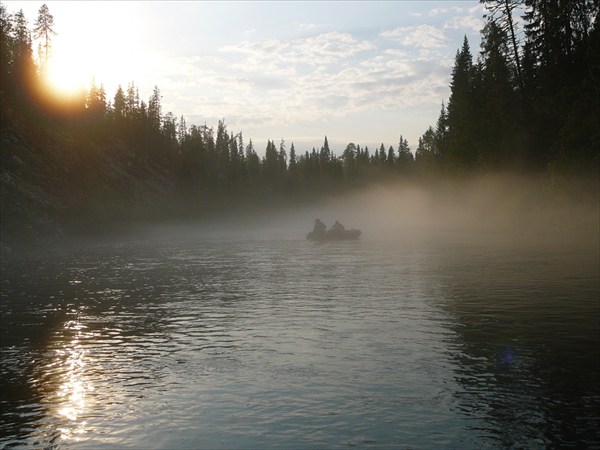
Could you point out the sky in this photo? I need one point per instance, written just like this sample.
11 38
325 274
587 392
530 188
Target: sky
361 72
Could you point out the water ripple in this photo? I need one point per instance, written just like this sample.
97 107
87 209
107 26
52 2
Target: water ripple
237 343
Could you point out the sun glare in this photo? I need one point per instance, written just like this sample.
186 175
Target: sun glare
66 75
82 52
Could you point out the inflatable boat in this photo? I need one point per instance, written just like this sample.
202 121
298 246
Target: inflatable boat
334 235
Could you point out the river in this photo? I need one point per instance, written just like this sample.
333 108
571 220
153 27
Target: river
267 340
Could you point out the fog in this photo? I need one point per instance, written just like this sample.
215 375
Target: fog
498 209
495 209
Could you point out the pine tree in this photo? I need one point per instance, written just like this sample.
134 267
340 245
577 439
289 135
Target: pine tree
234 169
222 152
461 151
391 156
7 45
182 133
293 162
96 100
349 159
502 16
293 168
270 165
24 73
281 163
381 159
119 103
252 165
132 101
154 108
426 154
325 154
441 134
43 29
559 46
169 131
498 109
405 157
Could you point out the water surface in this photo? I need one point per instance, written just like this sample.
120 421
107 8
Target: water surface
260 341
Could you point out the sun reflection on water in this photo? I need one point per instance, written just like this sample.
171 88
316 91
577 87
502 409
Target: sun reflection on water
71 397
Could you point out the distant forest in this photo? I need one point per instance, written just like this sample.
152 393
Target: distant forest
529 101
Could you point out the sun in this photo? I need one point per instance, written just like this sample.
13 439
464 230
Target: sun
82 52
66 75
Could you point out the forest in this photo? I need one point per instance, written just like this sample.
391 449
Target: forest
527 102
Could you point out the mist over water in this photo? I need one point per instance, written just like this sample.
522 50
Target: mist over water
494 209
466 316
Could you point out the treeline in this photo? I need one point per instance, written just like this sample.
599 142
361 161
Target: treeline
529 101
205 163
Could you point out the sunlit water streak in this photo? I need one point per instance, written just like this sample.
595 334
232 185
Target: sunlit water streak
283 343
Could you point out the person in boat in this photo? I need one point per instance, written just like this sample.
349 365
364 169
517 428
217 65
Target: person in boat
319 227
338 227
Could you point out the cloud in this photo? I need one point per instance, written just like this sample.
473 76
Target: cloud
461 18
471 20
424 36
440 11
322 49
466 23
321 77
308 26
330 47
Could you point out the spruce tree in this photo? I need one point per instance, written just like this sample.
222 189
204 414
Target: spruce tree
154 108
43 29
501 14
498 108
461 151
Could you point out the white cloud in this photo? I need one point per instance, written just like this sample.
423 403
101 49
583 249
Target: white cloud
466 23
471 20
322 49
322 77
424 36
331 46
308 26
440 11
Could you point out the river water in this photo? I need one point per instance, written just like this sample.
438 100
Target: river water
229 340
